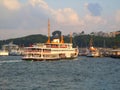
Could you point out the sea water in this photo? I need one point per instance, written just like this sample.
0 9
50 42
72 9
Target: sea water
82 73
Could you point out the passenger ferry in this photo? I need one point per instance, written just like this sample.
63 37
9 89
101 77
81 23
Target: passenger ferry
52 50
115 53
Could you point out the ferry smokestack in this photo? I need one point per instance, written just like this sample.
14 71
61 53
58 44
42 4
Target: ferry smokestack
62 39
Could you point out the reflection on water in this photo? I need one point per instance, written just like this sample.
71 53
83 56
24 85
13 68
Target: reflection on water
82 73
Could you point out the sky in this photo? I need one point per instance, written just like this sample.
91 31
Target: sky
20 18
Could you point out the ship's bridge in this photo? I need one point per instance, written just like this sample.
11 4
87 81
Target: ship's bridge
56 41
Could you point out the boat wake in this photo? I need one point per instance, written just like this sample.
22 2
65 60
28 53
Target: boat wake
10 61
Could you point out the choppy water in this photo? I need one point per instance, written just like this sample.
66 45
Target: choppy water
82 73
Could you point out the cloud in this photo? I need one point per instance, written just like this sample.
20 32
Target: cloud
117 17
40 3
26 17
18 18
11 4
94 8
94 23
66 15
95 19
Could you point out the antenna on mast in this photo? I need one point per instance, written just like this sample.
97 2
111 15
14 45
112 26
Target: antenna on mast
48 41
70 37
91 42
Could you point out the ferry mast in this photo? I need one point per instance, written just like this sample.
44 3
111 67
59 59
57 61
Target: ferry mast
48 41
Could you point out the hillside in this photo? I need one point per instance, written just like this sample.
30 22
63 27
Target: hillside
79 40
26 41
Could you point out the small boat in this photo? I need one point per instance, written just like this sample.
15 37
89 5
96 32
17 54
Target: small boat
13 49
92 51
4 53
52 50
83 52
115 53
15 53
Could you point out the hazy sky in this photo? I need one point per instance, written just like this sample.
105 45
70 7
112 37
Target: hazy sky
25 17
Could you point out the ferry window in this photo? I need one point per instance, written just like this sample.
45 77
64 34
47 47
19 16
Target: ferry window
46 50
54 46
48 46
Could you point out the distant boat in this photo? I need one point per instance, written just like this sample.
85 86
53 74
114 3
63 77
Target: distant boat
92 51
13 49
115 53
15 52
83 51
4 53
52 50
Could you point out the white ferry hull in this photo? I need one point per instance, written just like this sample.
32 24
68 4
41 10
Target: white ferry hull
95 54
39 59
47 58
